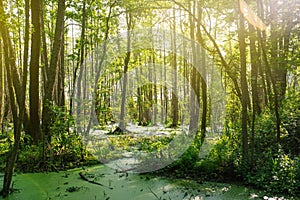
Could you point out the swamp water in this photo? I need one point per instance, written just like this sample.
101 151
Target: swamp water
104 183
120 186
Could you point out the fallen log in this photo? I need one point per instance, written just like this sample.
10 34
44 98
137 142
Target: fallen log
82 176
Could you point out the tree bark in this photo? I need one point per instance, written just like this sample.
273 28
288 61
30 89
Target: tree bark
44 57
166 98
256 109
1 85
129 22
161 97
26 123
61 77
244 87
16 108
202 76
12 155
34 72
194 100
155 111
52 70
80 65
174 65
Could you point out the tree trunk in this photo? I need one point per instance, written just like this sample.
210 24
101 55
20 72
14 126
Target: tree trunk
202 76
61 76
194 100
204 96
44 57
26 123
276 74
155 91
254 74
282 79
161 87
174 88
12 155
52 70
122 124
262 92
1 85
80 65
16 108
244 87
166 98
34 72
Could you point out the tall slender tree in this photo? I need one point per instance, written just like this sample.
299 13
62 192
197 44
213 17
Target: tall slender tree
254 80
1 85
60 87
80 63
194 99
174 98
129 22
34 71
244 85
25 63
51 71
203 65
16 99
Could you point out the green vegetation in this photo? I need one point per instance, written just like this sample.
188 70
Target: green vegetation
194 89
275 168
65 150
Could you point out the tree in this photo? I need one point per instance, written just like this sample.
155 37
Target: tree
256 109
244 86
80 62
51 71
34 71
194 98
25 64
203 66
174 98
60 87
130 24
100 64
271 82
16 96
1 85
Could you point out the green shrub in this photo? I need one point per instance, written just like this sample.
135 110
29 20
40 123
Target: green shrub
297 173
290 140
30 158
64 150
66 145
277 174
283 174
275 166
